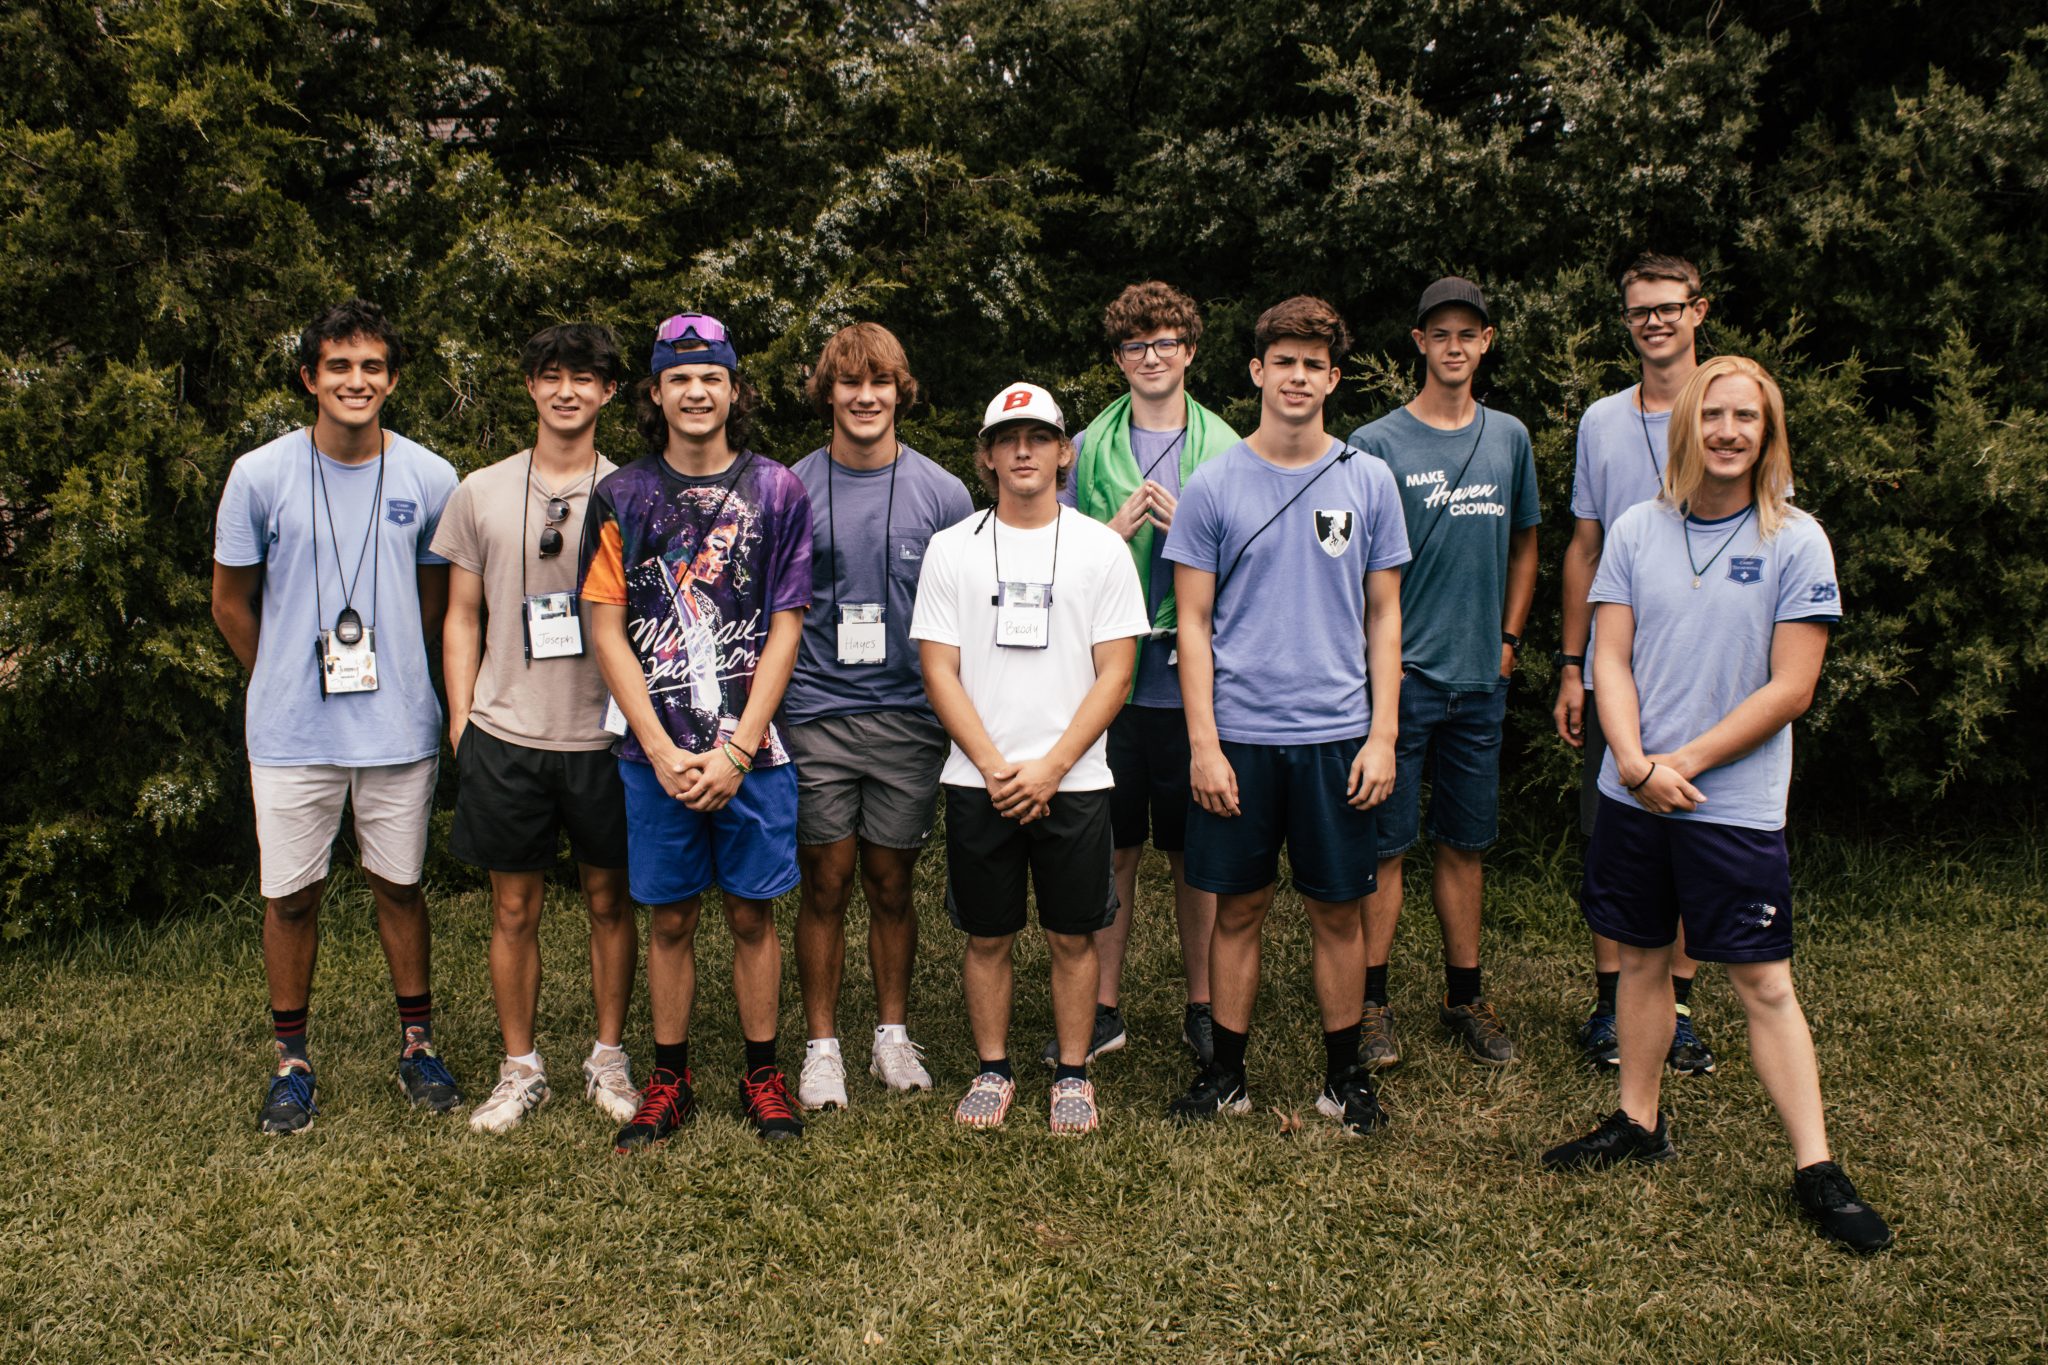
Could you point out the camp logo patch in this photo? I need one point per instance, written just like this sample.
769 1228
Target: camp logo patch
1746 569
1333 531
401 511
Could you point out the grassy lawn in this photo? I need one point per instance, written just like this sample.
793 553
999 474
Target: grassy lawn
142 1214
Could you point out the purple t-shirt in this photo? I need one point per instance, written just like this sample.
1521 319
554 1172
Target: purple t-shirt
853 560
700 564
1157 456
1289 620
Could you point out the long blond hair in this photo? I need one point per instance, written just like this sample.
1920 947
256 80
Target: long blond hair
1686 468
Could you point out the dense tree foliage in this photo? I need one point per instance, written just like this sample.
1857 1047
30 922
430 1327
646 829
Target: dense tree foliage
183 184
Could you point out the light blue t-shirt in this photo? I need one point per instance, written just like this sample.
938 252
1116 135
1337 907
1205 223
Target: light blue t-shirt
1459 525
1289 620
1621 455
272 513
1157 455
850 556
1700 651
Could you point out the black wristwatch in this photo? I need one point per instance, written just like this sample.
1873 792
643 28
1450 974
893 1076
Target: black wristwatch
1513 642
1560 660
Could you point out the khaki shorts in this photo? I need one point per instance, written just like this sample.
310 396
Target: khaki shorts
875 774
298 813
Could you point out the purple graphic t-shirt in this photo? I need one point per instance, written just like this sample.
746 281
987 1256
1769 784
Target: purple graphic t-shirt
700 564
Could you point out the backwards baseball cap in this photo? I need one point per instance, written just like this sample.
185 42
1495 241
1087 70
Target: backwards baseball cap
1023 403
1452 289
692 339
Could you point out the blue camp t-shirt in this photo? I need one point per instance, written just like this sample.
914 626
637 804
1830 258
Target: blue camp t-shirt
1700 651
1620 462
1289 621
1157 455
272 513
851 557
1462 491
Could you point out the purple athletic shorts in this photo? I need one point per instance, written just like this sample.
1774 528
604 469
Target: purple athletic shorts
1732 887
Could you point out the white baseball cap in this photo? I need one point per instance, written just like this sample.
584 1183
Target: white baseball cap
1023 403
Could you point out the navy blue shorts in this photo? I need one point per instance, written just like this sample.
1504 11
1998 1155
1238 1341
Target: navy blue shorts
1453 739
1290 794
1732 887
1148 758
746 849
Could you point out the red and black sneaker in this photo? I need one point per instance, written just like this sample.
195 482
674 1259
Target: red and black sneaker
665 1105
764 1102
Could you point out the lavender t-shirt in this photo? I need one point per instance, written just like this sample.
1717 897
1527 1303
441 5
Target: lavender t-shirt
1289 620
1157 455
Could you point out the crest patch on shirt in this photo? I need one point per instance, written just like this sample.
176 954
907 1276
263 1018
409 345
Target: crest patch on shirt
401 511
1746 569
1333 531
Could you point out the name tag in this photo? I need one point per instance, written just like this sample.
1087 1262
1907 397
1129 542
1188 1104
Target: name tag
347 668
554 626
614 718
863 638
1023 611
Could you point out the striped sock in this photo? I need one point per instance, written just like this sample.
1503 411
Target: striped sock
416 1012
290 1028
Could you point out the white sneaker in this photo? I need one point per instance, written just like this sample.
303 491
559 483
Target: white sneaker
823 1082
900 1066
608 1084
520 1091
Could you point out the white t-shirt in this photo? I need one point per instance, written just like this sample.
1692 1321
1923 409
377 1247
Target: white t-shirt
1026 698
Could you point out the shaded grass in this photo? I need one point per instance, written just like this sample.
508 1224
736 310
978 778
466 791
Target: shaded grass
140 1212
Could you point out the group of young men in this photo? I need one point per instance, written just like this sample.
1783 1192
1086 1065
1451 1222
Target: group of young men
712 669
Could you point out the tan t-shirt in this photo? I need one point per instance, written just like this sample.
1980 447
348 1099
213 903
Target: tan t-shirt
546 703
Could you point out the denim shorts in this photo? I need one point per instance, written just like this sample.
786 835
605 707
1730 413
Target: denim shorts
1452 739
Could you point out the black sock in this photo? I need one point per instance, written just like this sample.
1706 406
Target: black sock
1605 983
1063 1072
999 1067
1461 985
1230 1046
673 1058
1681 989
416 1012
760 1055
1376 985
1340 1053
289 1026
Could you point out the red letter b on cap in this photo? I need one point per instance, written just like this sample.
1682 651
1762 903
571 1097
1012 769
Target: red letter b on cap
1016 398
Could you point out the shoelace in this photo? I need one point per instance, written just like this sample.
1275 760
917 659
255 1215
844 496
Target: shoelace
768 1099
1832 1190
1482 1013
297 1086
431 1068
658 1098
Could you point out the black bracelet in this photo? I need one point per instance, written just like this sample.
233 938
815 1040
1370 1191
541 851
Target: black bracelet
1561 660
1639 786
1513 642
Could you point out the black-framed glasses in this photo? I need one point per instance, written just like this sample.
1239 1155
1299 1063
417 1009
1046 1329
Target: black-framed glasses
1663 312
550 535
1167 348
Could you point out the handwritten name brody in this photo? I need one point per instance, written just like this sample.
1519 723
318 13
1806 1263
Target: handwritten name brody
1462 502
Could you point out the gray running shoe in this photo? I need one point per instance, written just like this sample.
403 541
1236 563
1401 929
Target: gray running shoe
1378 1048
1480 1030
1198 1031
1109 1036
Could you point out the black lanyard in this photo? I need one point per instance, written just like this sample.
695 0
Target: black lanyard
832 526
1698 569
704 531
373 548
525 506
1341 458
990 520
1648 448
1415 555
1160 458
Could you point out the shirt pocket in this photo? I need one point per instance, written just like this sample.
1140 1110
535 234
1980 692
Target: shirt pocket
906 559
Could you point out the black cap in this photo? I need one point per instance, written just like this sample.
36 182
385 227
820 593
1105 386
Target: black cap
1452 289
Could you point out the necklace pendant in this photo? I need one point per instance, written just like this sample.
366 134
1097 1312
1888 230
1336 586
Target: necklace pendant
1695 581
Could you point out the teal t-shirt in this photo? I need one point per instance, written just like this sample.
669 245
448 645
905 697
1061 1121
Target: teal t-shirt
1458 529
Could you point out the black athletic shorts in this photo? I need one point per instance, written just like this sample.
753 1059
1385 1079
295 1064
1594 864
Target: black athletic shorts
514 802
1066 855
1149 756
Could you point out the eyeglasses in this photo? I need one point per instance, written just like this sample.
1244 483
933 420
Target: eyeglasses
550 537
699 325
1167 347
1663 312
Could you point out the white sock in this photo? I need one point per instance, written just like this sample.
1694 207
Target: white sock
892 1033
821 1047
531 1061
603 1051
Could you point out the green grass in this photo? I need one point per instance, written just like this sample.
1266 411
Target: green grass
141 1213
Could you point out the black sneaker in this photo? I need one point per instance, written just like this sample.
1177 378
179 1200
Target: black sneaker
1689 1056
1378 1048
764 1102
1350 1100
665 1105
424 1077
1618 1138
1198 1031
1825 1195
1480 1030
1214 1092
288 1105
1109 1036
1599 1042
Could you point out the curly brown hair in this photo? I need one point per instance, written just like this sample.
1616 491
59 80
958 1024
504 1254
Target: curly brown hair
1301 318
858 351
653 426
1151 307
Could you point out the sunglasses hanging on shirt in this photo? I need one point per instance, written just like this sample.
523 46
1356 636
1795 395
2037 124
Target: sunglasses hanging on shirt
553 621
